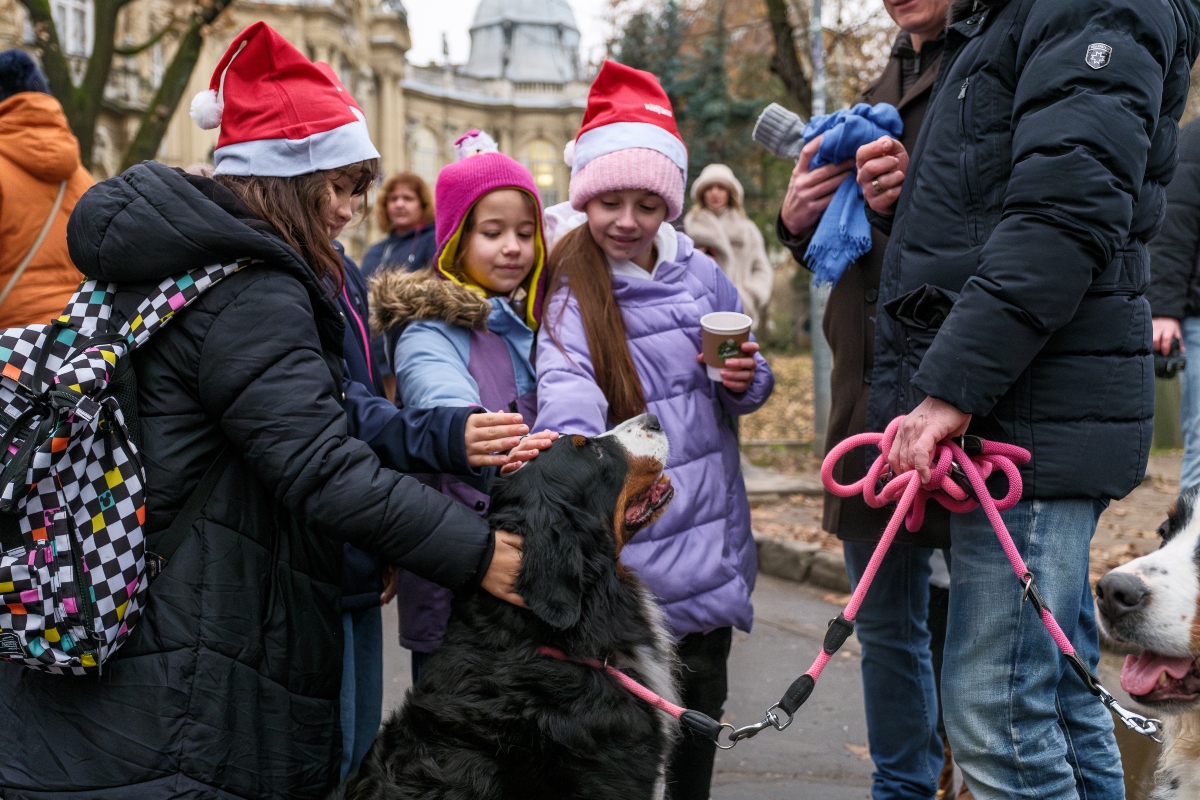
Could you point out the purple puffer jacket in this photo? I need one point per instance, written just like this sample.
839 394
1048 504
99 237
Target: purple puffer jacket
699 557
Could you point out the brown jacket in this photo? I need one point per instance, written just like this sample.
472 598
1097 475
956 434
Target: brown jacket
37 153
850 329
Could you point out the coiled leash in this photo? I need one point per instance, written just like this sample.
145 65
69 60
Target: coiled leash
957 481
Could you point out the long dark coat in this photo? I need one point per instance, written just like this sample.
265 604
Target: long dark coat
849 327
228 686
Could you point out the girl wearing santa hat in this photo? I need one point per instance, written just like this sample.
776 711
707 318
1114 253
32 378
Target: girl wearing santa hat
622 336
468 328
228 686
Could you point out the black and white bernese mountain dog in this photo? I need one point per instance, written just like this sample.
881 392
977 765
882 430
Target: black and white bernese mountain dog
1152 604
491 717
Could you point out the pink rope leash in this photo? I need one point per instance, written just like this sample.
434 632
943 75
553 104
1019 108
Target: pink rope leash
958 482
634 688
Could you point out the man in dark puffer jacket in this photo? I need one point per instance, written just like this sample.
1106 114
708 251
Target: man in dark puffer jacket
1035 183
228 687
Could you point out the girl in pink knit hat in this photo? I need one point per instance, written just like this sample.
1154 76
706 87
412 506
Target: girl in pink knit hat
622 337
469 323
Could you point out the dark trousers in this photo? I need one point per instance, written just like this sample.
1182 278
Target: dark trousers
704 685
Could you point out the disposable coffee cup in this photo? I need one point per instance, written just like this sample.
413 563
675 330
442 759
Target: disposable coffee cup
722 335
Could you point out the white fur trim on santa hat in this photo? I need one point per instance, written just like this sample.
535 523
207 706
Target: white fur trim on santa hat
569 153
615 136
286 158
206 109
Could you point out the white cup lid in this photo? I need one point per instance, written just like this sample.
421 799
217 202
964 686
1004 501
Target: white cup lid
725 322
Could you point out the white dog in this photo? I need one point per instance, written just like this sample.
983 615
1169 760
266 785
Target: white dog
1153 603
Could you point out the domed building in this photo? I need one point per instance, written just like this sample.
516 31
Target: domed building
523 83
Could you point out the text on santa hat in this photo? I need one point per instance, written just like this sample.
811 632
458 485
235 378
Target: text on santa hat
657 109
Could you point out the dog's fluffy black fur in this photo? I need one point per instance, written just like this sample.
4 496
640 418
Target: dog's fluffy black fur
490 717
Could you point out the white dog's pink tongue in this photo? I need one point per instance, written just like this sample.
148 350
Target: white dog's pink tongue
1139 675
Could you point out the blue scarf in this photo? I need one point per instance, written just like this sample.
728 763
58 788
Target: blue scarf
844 234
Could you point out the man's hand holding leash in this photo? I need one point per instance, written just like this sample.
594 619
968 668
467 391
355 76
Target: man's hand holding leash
919 434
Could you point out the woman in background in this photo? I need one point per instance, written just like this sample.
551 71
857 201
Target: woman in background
405 211
719 226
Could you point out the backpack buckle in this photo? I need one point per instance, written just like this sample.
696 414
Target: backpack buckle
155 564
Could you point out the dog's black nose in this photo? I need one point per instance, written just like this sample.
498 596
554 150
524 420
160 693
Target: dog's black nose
1120 593
652 423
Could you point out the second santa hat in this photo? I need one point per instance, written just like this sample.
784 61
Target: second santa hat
280 114
628 140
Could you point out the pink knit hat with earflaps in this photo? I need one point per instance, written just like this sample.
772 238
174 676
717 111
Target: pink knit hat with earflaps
482 169
628 140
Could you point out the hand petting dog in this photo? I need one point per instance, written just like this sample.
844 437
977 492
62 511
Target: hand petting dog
501 577
527 450
490 436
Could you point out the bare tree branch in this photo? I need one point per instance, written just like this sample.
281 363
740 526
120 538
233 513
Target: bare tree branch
133 50
174 83
786 62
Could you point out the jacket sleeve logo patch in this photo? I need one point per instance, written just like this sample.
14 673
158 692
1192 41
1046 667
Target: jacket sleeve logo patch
1098 55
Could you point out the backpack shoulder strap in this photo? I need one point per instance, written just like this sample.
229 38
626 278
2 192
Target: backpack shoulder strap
181 528
37 243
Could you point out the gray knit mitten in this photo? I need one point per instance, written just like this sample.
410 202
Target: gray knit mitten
780 131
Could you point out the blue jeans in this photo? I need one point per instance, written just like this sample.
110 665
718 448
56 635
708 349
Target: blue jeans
897 672
1189 404
1021 722
362 684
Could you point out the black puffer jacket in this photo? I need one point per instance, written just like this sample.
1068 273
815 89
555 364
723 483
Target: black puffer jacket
228 687
1175 253
1034 186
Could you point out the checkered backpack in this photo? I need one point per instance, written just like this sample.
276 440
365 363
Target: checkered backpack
73 561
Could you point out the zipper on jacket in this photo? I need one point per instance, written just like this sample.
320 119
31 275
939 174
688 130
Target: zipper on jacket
962 93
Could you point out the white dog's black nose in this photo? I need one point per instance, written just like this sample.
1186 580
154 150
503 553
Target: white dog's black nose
1120 593
652 423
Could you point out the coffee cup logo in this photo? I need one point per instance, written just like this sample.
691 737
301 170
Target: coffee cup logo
728 349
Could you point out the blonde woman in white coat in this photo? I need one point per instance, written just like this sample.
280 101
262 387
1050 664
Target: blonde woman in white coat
719 226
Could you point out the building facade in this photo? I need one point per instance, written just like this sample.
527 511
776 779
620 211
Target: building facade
523 82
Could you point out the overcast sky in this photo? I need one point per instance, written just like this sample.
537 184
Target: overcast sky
429 19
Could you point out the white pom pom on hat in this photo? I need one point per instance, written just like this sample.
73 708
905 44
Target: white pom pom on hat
569 154
206 109
472 143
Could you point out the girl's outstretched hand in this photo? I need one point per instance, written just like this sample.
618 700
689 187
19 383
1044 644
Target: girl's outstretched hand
501 577
528 449
738 373
490 436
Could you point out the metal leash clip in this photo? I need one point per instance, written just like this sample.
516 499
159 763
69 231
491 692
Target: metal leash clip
770 720
1137 723
1150 728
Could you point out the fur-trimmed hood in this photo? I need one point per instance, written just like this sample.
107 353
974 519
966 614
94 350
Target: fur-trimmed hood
399 297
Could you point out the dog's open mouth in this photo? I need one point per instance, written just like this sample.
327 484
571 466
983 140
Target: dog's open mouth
642 508
1153 678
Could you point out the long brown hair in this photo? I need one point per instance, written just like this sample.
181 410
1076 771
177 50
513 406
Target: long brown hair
579 261
297 209
418 186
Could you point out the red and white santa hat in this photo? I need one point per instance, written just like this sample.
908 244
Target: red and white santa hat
280 114
628 140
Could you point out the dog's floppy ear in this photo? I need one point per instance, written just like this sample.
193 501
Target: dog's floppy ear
551 566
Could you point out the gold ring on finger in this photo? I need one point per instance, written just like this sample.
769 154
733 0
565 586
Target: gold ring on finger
875 185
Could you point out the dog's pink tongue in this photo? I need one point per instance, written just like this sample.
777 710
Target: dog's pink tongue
1139 675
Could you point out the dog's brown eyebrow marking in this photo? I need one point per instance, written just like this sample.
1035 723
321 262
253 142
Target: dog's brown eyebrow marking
578 441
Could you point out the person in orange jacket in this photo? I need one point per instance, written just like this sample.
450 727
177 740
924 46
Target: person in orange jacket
39 160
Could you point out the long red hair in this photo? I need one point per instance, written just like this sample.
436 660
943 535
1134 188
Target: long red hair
580 262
